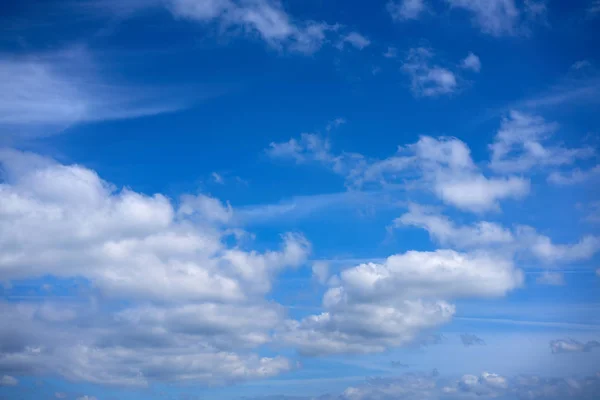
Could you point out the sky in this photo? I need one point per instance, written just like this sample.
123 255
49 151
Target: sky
299 199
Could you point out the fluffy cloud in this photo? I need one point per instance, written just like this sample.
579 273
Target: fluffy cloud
441 165
187 294
406 9
521 144
492 236
572 346
354 39
371 307
428 80
471 62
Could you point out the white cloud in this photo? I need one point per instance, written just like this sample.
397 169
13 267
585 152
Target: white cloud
428 80
486 235
472 62
551 278
495 17
443 166
354 39
217 178
402 10
521 144
8 380
572 346
60 89
191 292
372 307
575 176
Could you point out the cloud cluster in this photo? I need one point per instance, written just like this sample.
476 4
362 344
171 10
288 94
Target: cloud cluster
524 240
372 307
572 346
185 294
441 165
427 79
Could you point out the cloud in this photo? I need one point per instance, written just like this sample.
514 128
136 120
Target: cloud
376 306
217 178
8 380
44 93
574 177
354 39
428 80
186 293
441 165
60 395
521 144
501 17
391 52
486 385
86 397
471 62
403 10
491 236
572 346
593 9
551 278
320 270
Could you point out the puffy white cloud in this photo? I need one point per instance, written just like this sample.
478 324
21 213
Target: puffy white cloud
471 62
428 80
572 346
491 236
8 380
402 10
372 307
189 295
521 144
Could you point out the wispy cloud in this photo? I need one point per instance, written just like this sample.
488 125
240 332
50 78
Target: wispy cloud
64 88
403 10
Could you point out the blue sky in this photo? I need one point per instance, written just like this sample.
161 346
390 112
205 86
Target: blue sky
264 199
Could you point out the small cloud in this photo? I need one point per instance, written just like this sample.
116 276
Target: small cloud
468 339
335 123
8 380
355 39
581 64
593 9
472 62
391 52
218 178
572 346
406 9
87 398
398 364
551 278
428 80
60 395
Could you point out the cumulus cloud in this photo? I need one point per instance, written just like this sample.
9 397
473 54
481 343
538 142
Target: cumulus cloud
355 40
406 9
471 62
468 339
524 240
372 307
572 346
522 144
427 79
442 165
188 292
8 380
